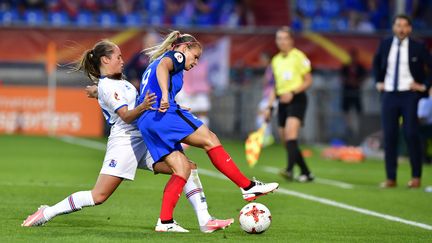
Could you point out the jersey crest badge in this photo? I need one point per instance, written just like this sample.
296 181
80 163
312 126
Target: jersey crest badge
116 96
179 57
113 163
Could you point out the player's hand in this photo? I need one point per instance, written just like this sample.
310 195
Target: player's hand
92 91
267 114
149 100
417 87
286 98
379 86
164 104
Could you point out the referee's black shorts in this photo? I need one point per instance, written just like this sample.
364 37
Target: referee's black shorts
296 108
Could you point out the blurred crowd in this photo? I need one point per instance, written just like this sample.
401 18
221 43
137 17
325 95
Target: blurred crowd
356 15
317 15
131 13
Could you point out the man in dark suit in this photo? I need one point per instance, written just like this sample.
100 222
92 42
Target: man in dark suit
400 75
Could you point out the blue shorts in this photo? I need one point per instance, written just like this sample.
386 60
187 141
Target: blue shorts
162 132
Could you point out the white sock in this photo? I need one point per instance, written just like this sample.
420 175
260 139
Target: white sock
73 203
195 195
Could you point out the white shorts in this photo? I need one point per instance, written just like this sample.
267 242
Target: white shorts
124 155
197 103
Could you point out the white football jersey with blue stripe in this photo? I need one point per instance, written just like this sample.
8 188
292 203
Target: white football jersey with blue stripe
113 95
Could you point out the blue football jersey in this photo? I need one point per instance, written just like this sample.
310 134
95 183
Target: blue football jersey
149 81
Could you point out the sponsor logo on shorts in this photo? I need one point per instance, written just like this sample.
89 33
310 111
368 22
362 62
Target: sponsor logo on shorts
113 163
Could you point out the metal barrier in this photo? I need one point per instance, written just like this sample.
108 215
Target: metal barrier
233 113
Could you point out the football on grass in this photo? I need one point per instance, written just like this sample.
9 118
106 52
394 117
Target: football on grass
255 218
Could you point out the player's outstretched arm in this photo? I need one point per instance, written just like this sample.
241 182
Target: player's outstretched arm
129 116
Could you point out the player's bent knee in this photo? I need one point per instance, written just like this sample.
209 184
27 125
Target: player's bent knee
185 173
182 171
211 141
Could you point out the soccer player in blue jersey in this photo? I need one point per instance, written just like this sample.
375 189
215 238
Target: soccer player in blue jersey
165 128
126 150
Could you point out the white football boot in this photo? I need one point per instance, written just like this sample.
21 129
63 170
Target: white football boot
173 227
260 189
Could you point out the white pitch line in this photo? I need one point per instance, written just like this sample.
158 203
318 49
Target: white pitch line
353 208
321 200
83 142
340 184
43 184
331 203
212 173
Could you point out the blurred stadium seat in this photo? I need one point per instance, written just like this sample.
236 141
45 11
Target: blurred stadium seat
296 24
155 19
9 17
34 17
58 18
84 19
155 11
308 7
107 19
341 24
321 24
132 20
330 8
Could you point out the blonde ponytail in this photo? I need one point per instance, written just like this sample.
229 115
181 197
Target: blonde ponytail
157 51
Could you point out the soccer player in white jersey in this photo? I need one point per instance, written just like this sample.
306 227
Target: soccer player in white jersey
126 150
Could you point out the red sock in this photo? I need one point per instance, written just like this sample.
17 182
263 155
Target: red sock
172 192
223 162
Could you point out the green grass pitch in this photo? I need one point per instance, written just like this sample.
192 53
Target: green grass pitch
43 170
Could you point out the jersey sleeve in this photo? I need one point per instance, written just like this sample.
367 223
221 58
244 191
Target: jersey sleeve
114 97
424 108
304 64
178 60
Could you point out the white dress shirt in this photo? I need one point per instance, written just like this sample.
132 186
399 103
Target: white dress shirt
405 77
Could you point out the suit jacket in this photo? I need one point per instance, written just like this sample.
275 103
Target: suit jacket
418 56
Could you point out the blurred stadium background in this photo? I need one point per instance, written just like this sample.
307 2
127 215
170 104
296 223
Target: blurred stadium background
238 32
